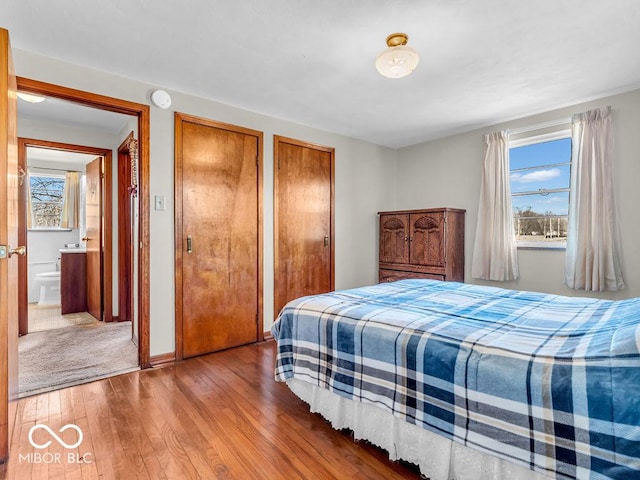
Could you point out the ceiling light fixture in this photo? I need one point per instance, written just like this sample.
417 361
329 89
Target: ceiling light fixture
398 60
27 97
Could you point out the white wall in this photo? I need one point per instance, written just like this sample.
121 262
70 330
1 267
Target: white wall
364 184
446 173
44 256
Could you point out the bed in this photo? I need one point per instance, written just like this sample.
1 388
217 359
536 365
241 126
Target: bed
471 381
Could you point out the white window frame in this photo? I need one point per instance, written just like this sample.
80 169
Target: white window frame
47 174
564 131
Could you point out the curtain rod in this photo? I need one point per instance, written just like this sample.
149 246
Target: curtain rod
540 126
53 169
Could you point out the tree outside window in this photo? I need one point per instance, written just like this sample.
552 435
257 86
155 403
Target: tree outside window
46 200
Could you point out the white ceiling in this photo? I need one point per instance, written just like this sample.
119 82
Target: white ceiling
54 110
78 160
312 62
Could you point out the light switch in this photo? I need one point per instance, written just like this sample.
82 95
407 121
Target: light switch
160 202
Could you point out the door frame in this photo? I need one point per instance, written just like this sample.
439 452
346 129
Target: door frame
277 140
142 112
125 236
179 119
107 212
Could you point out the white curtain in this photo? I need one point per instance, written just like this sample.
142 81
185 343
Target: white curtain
593 239
71 201
495 255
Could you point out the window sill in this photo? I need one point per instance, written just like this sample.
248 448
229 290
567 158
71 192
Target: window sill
541 246
49 229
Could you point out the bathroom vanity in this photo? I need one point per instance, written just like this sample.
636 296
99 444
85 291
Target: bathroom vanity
73 280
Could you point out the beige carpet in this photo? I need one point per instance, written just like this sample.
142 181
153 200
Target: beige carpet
59 358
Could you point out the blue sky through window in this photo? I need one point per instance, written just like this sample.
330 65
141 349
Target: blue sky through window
539 166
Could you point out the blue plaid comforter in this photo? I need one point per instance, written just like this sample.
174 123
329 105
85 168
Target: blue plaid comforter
545 381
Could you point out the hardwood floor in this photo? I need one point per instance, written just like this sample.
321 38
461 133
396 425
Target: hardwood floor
216 416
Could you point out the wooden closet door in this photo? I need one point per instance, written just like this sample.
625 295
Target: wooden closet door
304 231
218 235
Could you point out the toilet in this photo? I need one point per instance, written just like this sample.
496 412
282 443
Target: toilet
49 283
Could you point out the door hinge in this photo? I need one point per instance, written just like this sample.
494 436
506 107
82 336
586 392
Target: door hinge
257 161
257 318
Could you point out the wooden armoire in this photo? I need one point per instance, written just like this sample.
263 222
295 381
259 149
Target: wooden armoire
425 243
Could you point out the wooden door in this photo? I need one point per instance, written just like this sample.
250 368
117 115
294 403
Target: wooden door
303 214
427 239
218 236
394 238
93 238
8 238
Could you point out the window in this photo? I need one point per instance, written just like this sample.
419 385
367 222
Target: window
540 173
46 199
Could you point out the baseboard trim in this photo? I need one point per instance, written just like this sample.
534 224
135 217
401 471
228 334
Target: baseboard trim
162 360
268 337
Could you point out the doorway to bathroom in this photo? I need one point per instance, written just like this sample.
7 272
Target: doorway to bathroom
69 321
68 224
66 335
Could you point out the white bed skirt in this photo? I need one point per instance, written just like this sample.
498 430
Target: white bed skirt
438 458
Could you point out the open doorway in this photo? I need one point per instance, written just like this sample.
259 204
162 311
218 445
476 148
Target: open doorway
64 125
67 216
55 185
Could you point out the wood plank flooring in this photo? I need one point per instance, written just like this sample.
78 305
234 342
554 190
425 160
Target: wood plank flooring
219 416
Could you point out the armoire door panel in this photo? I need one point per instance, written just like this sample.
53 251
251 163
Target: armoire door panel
219 238
304 231
427 239
394 238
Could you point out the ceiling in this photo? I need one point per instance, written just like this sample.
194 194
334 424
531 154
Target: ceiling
72 114
312 62
77 160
